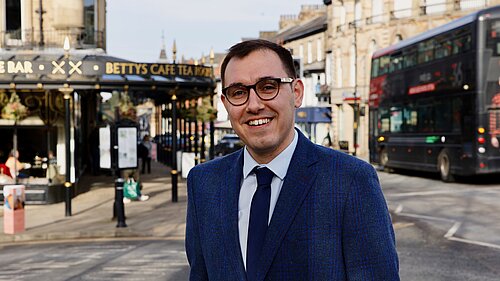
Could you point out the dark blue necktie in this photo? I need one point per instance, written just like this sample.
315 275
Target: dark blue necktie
259 217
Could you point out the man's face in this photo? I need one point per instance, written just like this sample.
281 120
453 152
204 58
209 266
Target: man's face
266 127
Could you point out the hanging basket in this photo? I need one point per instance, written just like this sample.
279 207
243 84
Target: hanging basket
14 109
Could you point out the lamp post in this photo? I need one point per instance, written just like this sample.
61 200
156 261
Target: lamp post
211 151
355 94
174 171
67 91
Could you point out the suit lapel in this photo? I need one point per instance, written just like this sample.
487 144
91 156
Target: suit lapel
229 214
298 181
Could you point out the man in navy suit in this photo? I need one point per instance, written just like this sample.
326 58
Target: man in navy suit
320 215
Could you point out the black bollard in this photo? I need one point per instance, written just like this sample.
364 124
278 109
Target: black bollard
119 206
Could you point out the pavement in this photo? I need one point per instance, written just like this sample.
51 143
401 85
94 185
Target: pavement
92 212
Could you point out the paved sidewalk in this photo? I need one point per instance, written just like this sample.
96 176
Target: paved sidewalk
92 212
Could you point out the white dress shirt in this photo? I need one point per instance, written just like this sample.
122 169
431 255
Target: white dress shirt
279 166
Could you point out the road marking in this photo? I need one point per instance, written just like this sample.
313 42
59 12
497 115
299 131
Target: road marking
449 234
434 192
453 230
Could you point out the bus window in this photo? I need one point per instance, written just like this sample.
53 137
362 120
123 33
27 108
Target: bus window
396 63
384 121
396 120
456 112
443 49
425 118
426 51
462 44
409 119
410 58
375 66
493 37
384 65
444 118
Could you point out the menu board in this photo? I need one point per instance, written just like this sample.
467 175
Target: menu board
105 147
127 147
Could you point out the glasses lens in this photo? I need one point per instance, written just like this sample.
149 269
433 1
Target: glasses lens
237 94
267 88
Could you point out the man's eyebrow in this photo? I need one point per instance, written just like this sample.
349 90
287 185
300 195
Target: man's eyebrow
241 84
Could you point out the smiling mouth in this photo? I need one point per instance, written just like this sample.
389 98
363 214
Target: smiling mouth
259 122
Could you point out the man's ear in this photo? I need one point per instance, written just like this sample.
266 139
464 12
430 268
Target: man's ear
298 90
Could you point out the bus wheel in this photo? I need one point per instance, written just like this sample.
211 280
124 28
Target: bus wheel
383 157
444 166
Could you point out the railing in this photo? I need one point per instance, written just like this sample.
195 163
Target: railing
443 7
28 38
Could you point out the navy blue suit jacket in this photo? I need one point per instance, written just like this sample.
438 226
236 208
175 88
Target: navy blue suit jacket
330 221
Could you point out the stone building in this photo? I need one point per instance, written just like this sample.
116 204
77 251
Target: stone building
45 24
305 36
74 96
355 30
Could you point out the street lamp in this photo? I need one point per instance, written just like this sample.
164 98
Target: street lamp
355 94
67 91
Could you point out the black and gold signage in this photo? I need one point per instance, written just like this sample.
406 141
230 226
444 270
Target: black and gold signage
131 68
92 68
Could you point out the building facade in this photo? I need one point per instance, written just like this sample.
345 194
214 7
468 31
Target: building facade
356 28
45 24
74 96
305 36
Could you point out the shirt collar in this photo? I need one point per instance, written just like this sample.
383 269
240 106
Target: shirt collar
279 165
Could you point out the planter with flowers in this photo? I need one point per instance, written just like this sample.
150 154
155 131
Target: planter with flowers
16 111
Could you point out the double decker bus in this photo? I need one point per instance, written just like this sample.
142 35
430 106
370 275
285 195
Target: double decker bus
435 99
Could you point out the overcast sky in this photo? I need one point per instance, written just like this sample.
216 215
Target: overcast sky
134 27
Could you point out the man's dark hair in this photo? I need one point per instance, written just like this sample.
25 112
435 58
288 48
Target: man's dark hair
244 48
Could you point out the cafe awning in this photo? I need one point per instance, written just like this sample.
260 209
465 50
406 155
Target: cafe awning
95 70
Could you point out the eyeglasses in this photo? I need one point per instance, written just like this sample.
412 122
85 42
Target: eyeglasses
266 89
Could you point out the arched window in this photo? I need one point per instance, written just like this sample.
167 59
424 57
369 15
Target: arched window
397 38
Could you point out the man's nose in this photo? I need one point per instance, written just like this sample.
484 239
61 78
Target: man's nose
254 101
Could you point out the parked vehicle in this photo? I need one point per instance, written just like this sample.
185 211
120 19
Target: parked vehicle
228 144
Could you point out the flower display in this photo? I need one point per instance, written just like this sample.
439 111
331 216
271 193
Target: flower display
14 109
206 111
127 108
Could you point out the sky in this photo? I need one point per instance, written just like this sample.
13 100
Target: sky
135 28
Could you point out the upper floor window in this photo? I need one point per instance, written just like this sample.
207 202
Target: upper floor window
358 11
319 50
13 18
342 15
377 11
309 52
468 4
435 6
402 8
89 21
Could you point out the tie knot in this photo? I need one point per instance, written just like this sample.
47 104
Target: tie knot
264 176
